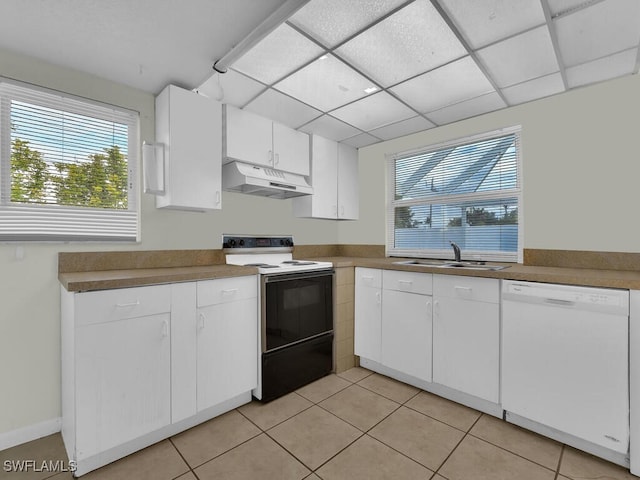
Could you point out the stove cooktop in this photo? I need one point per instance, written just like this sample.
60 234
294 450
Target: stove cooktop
270 254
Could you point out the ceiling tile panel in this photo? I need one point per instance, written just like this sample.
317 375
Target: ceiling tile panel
521 58
332 21
486 21
325 84
283 109
374 111
599 30
277 55
533 89
331 128
232 87
405 127
605 68
467 109
452 83
361 140
410 42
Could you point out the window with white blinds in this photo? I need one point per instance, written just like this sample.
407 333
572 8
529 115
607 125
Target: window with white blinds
467 192
67 167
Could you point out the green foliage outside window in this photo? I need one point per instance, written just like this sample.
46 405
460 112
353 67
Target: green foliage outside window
100 181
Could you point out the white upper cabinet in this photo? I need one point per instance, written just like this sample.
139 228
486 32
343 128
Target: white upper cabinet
190 127
334 177
348 184
254 139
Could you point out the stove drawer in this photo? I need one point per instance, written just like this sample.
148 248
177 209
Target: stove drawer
225 290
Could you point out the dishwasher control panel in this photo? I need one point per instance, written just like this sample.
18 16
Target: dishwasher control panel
566 295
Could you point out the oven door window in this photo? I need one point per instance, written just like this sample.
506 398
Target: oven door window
297 308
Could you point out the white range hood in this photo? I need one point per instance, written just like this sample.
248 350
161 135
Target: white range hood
265 182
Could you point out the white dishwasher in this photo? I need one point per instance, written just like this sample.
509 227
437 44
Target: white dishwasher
565 360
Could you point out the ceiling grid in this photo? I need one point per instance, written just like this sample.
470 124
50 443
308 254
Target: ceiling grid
377 69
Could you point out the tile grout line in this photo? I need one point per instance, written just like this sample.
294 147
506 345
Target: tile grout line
313 404
183 459
457 445
559 462
279 423
509 451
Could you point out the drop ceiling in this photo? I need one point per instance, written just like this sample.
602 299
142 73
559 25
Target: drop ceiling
355 71
363 71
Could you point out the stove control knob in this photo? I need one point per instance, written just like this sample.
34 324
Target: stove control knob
242 242
288 242
232 242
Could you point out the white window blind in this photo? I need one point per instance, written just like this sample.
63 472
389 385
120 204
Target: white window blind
467 192
67 167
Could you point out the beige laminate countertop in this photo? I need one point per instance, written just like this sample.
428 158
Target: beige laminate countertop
109 279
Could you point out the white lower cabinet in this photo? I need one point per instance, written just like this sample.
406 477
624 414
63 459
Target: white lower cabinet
466 335
122 378
368 313
227 340
406 343
141 364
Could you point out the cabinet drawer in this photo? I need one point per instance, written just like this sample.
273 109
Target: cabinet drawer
122 303
407 282
467 288
224 290
369 277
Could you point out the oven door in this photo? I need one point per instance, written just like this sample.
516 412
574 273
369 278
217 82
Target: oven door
296 307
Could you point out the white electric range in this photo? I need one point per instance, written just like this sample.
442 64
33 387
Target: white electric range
296 312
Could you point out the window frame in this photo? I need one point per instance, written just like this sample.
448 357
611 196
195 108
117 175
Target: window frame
468 198
25 222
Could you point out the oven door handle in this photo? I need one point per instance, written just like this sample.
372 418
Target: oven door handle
297 276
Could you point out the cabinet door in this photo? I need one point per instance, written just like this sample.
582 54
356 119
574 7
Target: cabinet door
249 137
324 172
123 385
406 333
348 183
466 346
291 150
368 316
191 127
227 351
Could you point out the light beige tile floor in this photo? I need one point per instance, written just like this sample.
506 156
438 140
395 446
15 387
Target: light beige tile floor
355 425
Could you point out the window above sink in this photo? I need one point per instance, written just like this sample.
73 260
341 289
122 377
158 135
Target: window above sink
466 191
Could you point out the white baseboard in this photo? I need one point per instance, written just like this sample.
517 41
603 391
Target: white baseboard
29 433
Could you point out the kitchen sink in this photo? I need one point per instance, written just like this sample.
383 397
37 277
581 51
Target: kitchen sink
465 265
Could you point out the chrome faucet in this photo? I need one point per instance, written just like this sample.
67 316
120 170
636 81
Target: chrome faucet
456 250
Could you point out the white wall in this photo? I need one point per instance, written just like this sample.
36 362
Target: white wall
581 169
29 289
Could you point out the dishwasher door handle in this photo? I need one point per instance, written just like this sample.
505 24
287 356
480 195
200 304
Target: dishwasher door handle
558 302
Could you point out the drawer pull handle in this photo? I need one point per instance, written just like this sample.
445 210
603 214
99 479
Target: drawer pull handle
378 298
230 291
466 291
405 282
201 321
125 305
367 277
